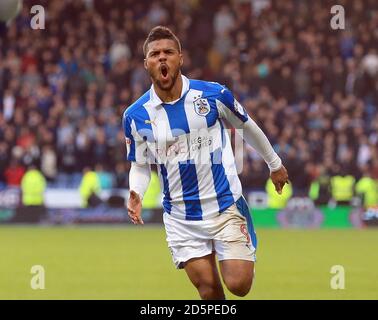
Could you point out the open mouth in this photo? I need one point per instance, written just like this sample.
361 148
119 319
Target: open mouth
164 71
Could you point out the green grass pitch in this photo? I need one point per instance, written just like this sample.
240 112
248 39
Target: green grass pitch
133 262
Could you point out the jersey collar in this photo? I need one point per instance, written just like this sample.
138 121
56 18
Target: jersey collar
156 101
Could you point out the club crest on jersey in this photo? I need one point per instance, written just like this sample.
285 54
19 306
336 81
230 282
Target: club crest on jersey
201 106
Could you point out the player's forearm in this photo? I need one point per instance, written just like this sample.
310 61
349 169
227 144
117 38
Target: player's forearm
139 177
256 138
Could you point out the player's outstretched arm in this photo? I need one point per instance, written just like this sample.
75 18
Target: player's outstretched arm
256 138
236 115
139 179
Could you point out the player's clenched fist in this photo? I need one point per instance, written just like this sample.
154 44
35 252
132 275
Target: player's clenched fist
134 208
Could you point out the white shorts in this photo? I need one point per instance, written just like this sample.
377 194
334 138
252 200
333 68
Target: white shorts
227 235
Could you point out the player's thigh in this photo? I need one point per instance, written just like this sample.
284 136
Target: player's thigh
237 272
203 271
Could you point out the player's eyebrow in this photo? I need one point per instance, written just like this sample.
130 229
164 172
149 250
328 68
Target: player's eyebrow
153 51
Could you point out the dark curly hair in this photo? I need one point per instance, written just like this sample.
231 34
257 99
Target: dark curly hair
158 33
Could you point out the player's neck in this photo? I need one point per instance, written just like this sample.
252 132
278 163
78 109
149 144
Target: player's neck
173 94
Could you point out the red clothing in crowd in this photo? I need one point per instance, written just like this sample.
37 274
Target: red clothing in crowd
13 175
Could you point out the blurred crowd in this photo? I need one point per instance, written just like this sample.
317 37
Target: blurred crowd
312 89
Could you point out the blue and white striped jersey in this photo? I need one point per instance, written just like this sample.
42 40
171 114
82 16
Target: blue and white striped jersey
188 142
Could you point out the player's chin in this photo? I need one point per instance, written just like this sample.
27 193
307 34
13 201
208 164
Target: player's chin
165 84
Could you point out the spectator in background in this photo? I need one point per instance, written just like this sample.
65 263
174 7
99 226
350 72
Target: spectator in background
156 15
367 188
14 173
84 146
320 189
4 159
100 149
67 156
299 173
49 163
105 178
90 188
253 176
223 21
152 197
121 175
9 102
31 78
33 185
342 186
119 49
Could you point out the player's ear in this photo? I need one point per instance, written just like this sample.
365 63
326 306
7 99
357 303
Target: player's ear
145 63
181 59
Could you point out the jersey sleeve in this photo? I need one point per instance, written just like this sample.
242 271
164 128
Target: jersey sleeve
135 145
229 108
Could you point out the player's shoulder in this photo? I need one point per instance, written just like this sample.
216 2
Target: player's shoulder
208 86
136 106
213 89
